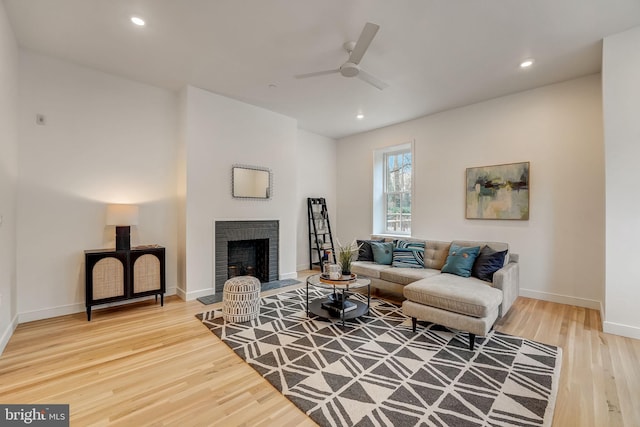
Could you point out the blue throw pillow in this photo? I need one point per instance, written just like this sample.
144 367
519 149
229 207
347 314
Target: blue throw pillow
382 252
460 260
408 254
487 263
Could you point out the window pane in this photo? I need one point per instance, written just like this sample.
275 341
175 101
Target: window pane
397 187
393 212
388 165
406 177
393 174
401 168
405 207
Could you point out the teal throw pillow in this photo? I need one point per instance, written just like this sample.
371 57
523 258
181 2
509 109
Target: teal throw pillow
460 260
382 252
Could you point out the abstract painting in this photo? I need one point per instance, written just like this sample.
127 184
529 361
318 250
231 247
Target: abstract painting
498 192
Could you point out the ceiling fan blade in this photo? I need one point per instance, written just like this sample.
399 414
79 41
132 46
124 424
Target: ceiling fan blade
317 73
368 33
373 81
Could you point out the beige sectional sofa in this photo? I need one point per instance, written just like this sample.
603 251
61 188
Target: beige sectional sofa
463 303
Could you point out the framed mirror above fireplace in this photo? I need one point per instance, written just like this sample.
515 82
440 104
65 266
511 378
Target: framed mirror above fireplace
250 182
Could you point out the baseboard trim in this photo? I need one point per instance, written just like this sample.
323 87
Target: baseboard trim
190 296
47 313
63 310
181 294
8 333
302 267
561 299
285 276
622 330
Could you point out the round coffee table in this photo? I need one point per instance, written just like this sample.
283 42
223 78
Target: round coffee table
337 304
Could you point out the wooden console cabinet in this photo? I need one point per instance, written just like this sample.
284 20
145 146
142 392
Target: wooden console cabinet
113 275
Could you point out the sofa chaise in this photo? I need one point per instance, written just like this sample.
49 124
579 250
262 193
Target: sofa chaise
421 271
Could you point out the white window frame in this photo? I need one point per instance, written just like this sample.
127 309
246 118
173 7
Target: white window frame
379 187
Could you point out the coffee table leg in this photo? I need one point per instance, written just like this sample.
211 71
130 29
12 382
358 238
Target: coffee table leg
307 298
342 308
368 298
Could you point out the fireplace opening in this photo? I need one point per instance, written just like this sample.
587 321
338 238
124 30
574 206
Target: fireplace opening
248 258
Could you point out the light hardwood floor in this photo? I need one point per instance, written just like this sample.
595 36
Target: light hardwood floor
142 364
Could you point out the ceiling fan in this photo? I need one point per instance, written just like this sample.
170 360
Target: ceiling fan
356 51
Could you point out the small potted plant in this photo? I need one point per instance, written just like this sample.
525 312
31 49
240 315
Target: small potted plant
345 256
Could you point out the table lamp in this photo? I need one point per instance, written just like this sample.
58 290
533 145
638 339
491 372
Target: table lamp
123 217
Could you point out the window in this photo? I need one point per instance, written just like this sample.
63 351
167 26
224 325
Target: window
397 193
393 189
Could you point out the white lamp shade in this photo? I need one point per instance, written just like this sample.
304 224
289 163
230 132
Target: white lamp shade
122 215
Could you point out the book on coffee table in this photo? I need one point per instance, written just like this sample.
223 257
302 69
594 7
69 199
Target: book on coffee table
336 307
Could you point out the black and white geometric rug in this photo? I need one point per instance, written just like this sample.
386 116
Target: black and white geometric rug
378 372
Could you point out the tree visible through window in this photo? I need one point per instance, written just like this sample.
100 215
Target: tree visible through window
397 189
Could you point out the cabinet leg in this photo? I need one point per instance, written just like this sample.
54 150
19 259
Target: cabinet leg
89 313
161 299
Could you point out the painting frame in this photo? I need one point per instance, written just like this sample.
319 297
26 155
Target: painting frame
498 192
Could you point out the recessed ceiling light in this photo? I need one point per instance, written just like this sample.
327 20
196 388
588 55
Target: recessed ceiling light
138 21
360 116
526 63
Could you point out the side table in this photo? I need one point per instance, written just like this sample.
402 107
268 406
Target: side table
338 304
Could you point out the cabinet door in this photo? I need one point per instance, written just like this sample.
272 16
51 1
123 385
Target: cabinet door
107 279
146 274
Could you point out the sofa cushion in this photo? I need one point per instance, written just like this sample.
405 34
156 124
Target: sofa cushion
368 268
382 252
487 263
408 254
435 254
469 296
460 260
364 251
404 276
476 325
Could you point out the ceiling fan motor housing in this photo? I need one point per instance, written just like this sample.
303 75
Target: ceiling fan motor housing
356 51
349 69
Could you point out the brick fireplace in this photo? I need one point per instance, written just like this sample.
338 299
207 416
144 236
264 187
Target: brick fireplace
246 247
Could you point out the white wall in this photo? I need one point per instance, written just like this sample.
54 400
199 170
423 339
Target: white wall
316 164
557 128
106 140
221 132
621 104
8 177
181 187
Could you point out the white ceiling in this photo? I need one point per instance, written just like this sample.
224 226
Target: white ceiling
434 54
